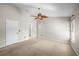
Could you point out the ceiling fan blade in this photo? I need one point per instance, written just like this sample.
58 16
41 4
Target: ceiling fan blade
44 16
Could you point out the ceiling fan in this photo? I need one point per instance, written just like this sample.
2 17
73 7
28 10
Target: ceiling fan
40 16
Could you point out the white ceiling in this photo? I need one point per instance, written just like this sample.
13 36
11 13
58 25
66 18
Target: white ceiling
50 9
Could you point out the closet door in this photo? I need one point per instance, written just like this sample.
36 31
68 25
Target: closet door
73 31
11 31
33 29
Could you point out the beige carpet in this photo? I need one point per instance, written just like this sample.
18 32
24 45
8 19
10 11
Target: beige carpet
37 47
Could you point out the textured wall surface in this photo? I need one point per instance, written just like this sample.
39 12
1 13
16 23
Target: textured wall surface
55 29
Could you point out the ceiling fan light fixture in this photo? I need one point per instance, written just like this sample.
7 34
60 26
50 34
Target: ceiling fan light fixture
40 16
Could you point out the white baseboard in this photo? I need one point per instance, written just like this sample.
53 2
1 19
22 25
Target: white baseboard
24 39
74 50
2 46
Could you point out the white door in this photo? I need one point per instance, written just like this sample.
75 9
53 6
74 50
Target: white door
33 29
11 31
73 31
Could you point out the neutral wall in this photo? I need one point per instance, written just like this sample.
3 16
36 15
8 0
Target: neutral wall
2 32
75 32
55 28
11 12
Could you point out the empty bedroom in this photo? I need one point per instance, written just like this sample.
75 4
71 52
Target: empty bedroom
39 29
